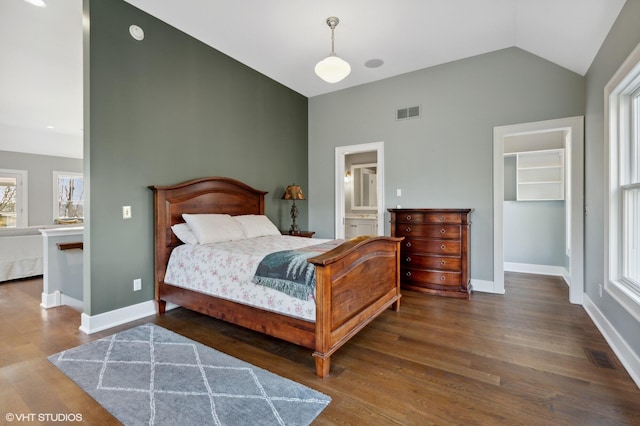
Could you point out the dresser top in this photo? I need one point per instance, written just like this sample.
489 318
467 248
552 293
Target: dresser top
430 210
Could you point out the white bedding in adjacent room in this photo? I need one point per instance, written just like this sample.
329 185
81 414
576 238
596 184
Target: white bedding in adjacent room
225 270
20 255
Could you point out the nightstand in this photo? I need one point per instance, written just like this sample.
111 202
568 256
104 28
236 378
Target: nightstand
305 234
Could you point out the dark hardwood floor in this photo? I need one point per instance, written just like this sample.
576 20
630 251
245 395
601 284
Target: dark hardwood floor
526 357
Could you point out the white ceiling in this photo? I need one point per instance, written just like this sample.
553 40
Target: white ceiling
41 72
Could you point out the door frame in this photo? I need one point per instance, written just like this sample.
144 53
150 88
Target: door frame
340 153
575 127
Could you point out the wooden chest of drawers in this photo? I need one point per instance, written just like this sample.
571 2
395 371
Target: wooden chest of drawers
435 250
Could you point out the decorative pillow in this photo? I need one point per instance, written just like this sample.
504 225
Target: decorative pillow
255 225
214 228
184 233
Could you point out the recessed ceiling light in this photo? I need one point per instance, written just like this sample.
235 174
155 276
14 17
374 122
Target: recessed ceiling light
49 126
136 32
374 63
39 3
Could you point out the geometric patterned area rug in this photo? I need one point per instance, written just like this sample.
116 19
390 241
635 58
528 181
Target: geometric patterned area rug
148 375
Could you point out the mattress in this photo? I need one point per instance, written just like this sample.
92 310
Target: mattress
226 269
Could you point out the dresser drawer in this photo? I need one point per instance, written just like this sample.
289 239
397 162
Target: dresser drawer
428 231
411 260
433 277
410 217
431 246
428 217
443 217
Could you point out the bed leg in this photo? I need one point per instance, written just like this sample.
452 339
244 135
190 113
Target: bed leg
323 365
396 305
162 306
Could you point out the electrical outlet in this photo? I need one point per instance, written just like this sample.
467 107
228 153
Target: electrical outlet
398 192
137 284
126 212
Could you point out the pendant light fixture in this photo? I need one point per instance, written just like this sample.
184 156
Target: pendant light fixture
39 3
332 69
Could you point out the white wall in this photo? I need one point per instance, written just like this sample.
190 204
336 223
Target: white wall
619 327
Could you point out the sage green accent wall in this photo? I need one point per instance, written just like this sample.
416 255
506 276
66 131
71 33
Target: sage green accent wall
165 110
443 159
40 170
620 42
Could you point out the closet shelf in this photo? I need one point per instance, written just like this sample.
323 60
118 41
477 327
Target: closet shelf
540 175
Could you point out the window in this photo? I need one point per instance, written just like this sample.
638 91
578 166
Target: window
13 203
68 201
622 103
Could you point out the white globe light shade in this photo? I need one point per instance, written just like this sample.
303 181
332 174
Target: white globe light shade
39 3
332 69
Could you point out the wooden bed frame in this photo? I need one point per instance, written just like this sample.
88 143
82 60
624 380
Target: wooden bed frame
355 282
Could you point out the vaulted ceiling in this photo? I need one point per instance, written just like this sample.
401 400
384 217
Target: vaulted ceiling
41 72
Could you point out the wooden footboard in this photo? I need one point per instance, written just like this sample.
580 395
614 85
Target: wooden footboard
355 283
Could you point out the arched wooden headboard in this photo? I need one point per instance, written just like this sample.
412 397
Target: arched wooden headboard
216 195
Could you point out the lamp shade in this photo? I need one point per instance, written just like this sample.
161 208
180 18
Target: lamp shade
332 69
293 192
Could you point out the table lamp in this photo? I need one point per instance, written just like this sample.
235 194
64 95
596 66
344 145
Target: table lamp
293 192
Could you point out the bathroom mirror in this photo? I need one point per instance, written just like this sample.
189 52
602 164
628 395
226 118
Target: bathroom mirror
365 186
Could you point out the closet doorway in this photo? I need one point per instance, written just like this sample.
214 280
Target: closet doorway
573 130
359 189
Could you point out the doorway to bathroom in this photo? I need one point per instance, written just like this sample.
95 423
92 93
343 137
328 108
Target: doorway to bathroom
359 190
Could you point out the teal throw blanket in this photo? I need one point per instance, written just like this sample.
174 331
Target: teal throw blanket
289 272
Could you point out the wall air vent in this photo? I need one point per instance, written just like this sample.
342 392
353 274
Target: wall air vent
409 112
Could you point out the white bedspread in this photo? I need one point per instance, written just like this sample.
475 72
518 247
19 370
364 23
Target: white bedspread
20 256
225 270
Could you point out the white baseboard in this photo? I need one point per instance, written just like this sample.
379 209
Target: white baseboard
74 303
95 323
51 300
530 268
106 320
629 359
484 286
57 298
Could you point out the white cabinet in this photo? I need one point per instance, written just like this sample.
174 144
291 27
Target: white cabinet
357 227
540 175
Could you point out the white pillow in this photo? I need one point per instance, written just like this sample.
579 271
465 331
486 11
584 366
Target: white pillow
255 225
214 228
184 233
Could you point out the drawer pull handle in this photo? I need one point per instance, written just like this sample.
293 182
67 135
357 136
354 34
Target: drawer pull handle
443 247
408 259
442 231
442 218
442 262
442 278
408 273
408 244
408 217
408 229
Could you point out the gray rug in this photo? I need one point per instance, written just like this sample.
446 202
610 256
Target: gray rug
151 376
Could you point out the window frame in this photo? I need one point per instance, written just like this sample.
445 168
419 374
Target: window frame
22 198
56 195
622 172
